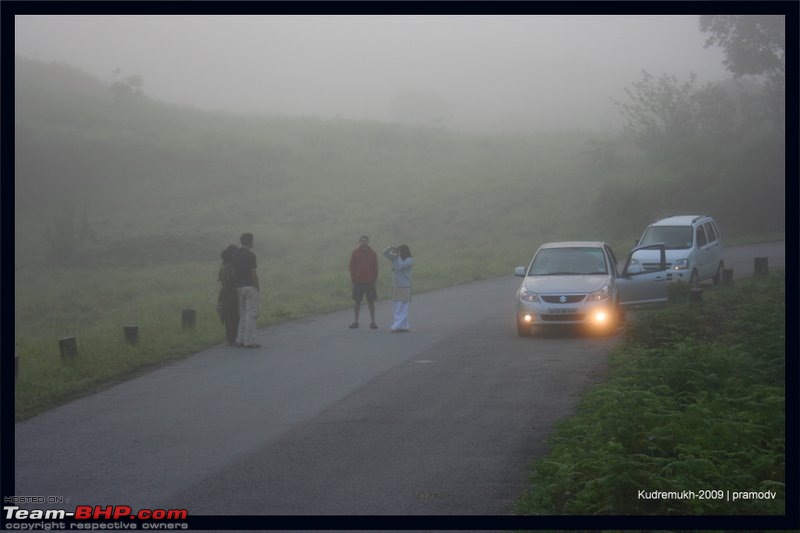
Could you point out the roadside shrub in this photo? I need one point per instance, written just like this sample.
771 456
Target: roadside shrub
695 401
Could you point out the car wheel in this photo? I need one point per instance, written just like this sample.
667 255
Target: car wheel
694 280
523 330
617 318
718 276
620 317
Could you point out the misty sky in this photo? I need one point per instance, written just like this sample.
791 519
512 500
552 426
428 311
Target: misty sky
492 73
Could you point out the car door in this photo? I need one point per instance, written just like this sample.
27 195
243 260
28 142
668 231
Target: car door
714 248
703 258
639 288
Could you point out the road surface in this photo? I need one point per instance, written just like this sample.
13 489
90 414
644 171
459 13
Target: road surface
324 420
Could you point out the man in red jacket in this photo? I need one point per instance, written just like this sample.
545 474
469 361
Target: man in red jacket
364 274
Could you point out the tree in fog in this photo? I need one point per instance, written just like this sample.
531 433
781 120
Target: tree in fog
130 86
726 134
754 45
667 115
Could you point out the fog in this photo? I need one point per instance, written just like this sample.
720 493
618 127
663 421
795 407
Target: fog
473 73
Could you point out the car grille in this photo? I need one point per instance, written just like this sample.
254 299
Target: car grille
563 318
568 299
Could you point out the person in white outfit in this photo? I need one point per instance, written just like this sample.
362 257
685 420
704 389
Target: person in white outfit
402 262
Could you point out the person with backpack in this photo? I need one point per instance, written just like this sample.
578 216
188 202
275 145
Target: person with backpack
228 299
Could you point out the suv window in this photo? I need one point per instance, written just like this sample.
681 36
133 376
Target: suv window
701 236
712 235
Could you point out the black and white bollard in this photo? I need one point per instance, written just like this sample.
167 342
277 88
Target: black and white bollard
761 266
727 275
188 318
68 347
131 334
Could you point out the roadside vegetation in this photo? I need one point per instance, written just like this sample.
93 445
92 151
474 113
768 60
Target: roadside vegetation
123 204
694 401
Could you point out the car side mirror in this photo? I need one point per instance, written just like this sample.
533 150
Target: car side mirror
634 269
519 271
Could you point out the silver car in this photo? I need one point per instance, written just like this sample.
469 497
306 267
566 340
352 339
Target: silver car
579 283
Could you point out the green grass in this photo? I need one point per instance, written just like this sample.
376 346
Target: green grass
695 401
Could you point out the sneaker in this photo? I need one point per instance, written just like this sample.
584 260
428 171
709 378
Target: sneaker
373 326
354 325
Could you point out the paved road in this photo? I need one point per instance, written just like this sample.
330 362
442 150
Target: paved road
740 258
325 420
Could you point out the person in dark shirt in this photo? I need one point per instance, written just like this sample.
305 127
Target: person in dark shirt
245 265
364 274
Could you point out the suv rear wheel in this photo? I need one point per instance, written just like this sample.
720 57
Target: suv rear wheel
718 275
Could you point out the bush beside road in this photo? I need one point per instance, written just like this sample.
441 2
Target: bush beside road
690 421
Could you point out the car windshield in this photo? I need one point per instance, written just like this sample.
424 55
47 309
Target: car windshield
569 262
673 237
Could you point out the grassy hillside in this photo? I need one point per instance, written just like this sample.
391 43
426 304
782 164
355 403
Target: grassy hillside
123 203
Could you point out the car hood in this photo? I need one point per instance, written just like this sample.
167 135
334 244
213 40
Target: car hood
564 284
654 256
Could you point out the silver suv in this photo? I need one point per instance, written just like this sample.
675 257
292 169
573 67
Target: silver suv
693 244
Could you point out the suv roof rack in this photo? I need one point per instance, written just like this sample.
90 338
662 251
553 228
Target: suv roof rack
695 219
661 218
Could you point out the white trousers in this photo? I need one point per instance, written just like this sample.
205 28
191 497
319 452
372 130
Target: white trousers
249 307
400 315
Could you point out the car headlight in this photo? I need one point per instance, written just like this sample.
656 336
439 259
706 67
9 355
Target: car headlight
681 264
529 296
602 294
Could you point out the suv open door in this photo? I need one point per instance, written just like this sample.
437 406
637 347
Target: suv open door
643 288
